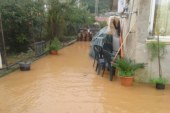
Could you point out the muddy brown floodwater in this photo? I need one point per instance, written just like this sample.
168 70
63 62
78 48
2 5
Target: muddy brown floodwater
67 83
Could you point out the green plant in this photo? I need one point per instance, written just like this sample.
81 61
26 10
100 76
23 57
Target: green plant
157 50
55 45
64 18
158 80
127 67
153 49
18 13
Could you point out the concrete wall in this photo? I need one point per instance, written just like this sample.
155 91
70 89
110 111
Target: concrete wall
142 34
130 24
135 46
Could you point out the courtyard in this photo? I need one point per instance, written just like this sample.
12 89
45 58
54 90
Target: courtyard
68 83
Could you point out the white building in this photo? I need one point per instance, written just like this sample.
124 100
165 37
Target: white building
151 16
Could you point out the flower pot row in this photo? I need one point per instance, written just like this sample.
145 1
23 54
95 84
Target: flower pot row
128 81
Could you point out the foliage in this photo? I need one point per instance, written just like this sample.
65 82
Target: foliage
22 22
158 80
127 67
55 44
75 18
153 49
157 50
28 21
104 5
55 18
65 18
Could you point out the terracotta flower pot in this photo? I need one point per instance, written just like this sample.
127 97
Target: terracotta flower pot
53 52
126 81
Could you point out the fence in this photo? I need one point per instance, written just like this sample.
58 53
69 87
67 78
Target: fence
38 51
40 48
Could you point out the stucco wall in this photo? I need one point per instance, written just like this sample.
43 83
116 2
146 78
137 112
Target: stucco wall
165 63
135 46
129 23
142 30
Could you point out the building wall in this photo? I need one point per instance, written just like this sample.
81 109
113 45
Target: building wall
130 24
135 46
142 34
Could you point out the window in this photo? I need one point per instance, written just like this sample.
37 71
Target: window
160 17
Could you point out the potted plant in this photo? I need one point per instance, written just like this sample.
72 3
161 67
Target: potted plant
160 82
127 68
54 46
157 50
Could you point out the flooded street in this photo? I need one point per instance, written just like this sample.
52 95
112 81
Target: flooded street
68 83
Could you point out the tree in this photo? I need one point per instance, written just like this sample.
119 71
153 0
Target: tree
28 21
103 5
65 18
22 21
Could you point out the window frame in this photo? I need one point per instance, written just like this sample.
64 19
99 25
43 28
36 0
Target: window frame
151 24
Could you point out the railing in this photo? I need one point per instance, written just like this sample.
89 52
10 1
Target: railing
39 48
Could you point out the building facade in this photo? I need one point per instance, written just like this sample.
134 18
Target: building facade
145 19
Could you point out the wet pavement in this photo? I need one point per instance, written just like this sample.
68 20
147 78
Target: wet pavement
67 83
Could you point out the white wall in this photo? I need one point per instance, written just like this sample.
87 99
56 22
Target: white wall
135 46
